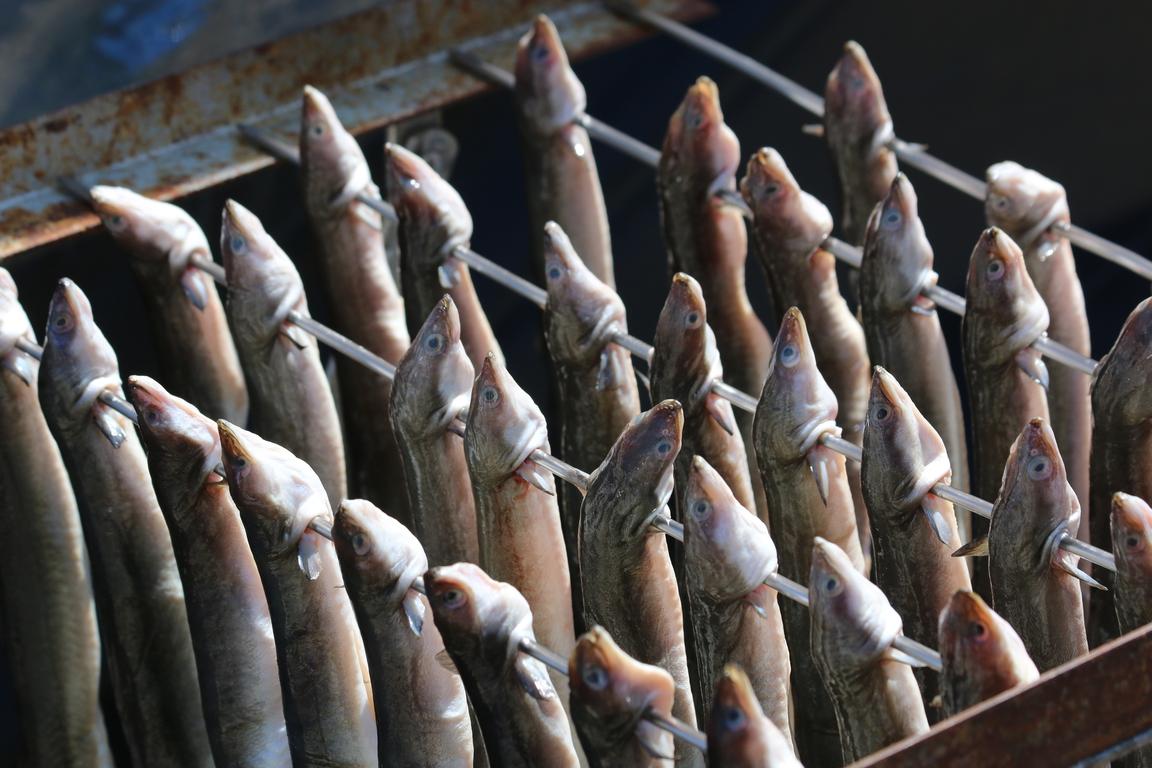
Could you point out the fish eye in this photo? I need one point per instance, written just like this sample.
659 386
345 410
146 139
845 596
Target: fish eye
701 509
594 677
115 221
237 244
489 395
62 322
152 416
892 218
317 129
554 272
832 585
995 269
1039 467
734 718
696 120
1132 541
360 543
771 189
435 342
539 53
663 447
452 598
1000 202
692 319
977 630
881 413
239 462
789 355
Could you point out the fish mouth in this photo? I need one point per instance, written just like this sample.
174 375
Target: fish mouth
735 685
114 201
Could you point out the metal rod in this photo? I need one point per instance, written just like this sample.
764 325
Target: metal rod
343 345
918 651
741 400
679 729
1113 252
30 348
504 277
121 406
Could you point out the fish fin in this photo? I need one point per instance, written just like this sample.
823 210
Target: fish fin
758 598
217 476
922 305
937 701
894 654
108 424
813 129
934 508
645 383
444 659
530 473
818 463
1068 567
610 372
414 610
650 748
448 275
1046 250
1032 364
192 283
721 412
295 334
21 365
975 548
367 215
533 678
308 556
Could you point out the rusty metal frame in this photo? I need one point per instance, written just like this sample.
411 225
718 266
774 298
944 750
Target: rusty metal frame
175 136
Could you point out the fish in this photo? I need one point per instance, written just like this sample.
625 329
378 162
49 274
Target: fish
981 654
139 595
739 734
685 364
901 325
324 676
808 496
482 622
1121 447
559 167
228 614
912 528
598 395
1006 375
859 132
434 222
1034 582
853 628
1027 206
197 355
629 586
1132 544
433 386
728 554
421 710
49 627
611 695
365 301
292 403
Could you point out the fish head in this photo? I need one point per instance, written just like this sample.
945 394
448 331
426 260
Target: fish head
727 547
278 495
737 725
897 254
706 150
790 218
583 314
474 611
335 169
548 92
1121 396
183 444
611 692
981 652
153 232
853 624
78 362
853 97
1005 312
431 211
504 425
15 327
797 406
685 360
385 556
1131 519
1023 202
433 383
263 284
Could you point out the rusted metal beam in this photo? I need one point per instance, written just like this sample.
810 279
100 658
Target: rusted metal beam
175 136
1073 713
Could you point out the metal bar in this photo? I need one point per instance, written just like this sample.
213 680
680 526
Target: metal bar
1113 252
122 407
504 277
679 729
344 345
741 400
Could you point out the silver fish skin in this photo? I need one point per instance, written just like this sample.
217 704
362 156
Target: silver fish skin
629 586
795 409
482 622
433 222
853 627
913 530
1036 506
292 404
1132 544
597 386
197 354
1004 316
1121 446
365 301
433 386
902 327
139 596
981 654
739 734
49 627
560 170
611 693
421 710
735 616
227 612
858 130
324 676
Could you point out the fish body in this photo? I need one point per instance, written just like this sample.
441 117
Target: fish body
1132 544
629 586
808 496
139 595
49 615
482 622
421 710
292 404
1035 508
433 386
853 628
735 616
611 694
197 354
981 654
858 130
434 222
560 170
739 734
365 301
323 668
